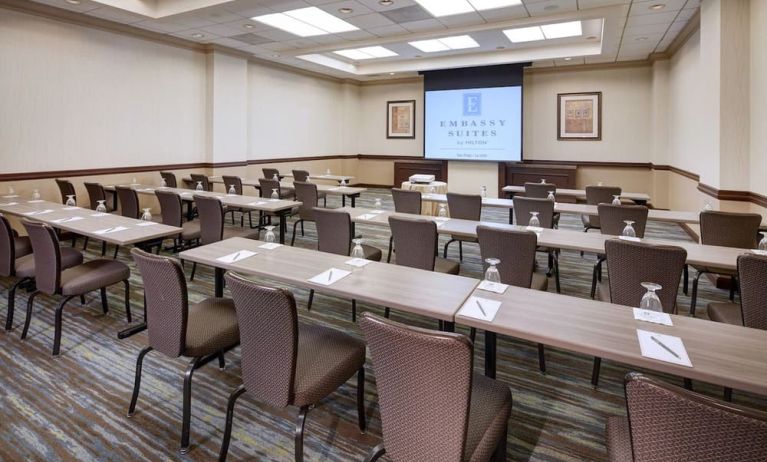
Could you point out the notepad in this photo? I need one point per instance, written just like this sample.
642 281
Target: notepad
37 212
71 208
496 287
110 230
376 211
330 276
629 238
35 201
754 251
366 216
97 215
236 256
147 223
269 246
357 262
535 229
67 220
147 189
480 308
10 196
9 204
660 347
655 317
257 203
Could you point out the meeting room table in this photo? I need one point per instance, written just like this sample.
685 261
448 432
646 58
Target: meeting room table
580 194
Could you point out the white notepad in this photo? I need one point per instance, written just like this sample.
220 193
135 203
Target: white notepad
71 208
535 229
35 201
655 317
754 251
10 196
366 216
147 223
630 239
357 262
474 307
650 344
257 203
9 204
110 230
330 276
376 211
96 215
67 220
38 212
496 287
236 256
269 246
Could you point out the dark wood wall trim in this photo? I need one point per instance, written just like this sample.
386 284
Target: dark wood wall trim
22 176
678 171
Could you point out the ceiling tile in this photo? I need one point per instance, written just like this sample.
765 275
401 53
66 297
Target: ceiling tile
374 5
500 14
407 14
658 18
369 21
116 15
586 4
643 7
387 31
423 26
467 19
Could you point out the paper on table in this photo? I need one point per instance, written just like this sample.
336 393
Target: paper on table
147 189
357 262
35 201
99 214
366 216
257 203
629 238
335 189
330 276
11 196
535 229
236 256
376 211
656 317
269 246
71 208
67 220
754 251
474 306
147 223
38 212
652 349
110 230
496 287
9 204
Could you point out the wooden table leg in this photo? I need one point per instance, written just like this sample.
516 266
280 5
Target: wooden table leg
219 282
490 345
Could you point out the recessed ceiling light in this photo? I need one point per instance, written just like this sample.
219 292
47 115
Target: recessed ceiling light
345 10
562 29
450 7
385 2
306 22
74 2
524 34
366 53
198 35
457 42
656 7
248 26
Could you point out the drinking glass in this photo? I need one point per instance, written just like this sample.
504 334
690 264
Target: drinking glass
377 204
358 251
543 180
600 184
616 200
442 210
432 190
269 234
343 182
483 191
275 194
707 206
491 274
232 190
163 183
36 194
650 300
133 180
11 191
71 201
276 177
146 216
327 172
534 221
551 196
763 243
628 230
199 186
101 208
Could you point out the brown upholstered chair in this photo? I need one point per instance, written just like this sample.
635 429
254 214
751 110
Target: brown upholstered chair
231 181
306 193
96 193
303 177
659 412
725 229
66 188
270 172
523 206
131 208
171 207
170 179
17 261
516 251
52 279
200 178
463 207
433 407
202 331
286 362
334 235
416 240
265 187
405 201
541 191
629 264
596 195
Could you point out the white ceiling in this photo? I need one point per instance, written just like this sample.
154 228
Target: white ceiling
614 30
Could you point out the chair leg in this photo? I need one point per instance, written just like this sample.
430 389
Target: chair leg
460 250
30 304
194 269
311 299
187 409
499 455
686 279
127 301
733 286
444 252
727 394
293 239
694 297
137 381
361 420
556 274
229 420
376 453
57 326
299 435
595 372
386 312
12 302
354 310
594 282
542 358
302 228
391 242
103 248
85 243
104 301
221 360
117 249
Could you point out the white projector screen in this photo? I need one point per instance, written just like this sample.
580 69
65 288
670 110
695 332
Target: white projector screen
474 124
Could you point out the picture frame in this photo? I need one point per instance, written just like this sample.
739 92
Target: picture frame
400 119
579 116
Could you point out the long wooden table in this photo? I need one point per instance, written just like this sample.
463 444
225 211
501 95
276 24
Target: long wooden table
639 198
324 176
352 192
722 354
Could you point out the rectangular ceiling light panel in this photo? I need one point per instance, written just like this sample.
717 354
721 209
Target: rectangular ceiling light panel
545 32
457 42
306 22
358 54
440 8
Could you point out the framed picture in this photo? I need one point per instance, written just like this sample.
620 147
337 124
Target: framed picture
400 119
579 116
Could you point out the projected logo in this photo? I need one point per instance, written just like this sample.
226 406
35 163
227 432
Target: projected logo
472 104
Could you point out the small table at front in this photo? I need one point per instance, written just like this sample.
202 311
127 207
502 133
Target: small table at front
435 187
324 176
639 198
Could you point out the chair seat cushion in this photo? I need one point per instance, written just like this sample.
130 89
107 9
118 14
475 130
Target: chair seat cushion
22 246
442 265
211 327
488 416
729 313
326 359
92 275
540 282
25 266
372 253
190 230
618 440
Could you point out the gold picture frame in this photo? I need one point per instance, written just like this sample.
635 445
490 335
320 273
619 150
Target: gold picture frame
579 116
400 119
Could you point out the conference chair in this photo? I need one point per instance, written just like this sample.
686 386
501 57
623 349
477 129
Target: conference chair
523 208
17 261
96 193
463 207
269 173
286 362
236 182
212 224
516 251
659 415
405 201
596 195
66 188
171 207
131 208
200 178
51 277
265 188
303 176
541 191
725 229
201 331
612 220
629 264
306 193
334 235
433 407
170 179
416 241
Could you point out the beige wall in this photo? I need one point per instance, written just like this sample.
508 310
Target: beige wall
372 119
758 85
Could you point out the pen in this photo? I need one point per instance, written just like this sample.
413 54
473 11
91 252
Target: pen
234 258
330 275
480 308
107 230
665 347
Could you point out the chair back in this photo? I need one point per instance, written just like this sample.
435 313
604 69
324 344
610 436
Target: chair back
229 181
515 249
171 207
306 193
752 272
334 231
170 179
406 201
270 172
7 248
424 380
660 415
96 193
415 240
300 175
465 206
266 185
539 190
596 195
66 188
128 199
524 205
728 229
200 178
47 254
612 217
211 214
268 339
166 301
629 264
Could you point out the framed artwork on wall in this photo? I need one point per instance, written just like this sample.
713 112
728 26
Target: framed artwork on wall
400 119
579 116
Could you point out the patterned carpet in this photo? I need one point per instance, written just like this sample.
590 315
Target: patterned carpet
72 408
